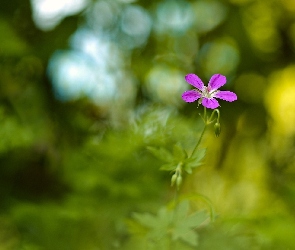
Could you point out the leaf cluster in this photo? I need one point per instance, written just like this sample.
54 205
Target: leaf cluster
174 225
178 156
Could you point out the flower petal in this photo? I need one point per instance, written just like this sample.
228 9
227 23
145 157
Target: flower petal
210 103
216 81
194 80
226 95
190 96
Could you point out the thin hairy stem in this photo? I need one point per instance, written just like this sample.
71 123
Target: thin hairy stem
199 141
203 131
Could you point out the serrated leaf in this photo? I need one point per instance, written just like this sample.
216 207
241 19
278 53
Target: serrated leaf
161 153
182 210
184 229
188 167
165 216
195 160
199 154
195 219
146 220
179 153
158 224
187 235
184 224
178 224
168 167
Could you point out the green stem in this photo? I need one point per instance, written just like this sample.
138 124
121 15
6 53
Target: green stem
211 117
201 136
170 246
199 141
175 198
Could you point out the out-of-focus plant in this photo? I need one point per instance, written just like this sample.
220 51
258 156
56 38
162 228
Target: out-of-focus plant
174 225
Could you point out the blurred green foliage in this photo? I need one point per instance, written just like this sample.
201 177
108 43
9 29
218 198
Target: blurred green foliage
73 173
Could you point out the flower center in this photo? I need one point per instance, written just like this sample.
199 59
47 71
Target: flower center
206 92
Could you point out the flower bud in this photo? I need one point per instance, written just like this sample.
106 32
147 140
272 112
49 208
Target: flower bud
217 129
173 179
178 181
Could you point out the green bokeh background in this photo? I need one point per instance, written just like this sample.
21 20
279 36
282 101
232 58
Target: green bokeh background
72 172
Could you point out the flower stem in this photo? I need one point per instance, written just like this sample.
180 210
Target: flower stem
211 117
205 119
199 141
175 199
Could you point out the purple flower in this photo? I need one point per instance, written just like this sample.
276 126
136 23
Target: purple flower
207 94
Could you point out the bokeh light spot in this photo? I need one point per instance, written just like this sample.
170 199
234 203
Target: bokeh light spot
49 13
102 15
208 14
260 20
97 47
280 100
74 76
174 17
136 25
221 56
166 85
135 21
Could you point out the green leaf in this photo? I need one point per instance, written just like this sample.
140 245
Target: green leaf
179 153
199 154
195 219
161 153
147 220
181 210
188 236
188 167
195 160
178 224
158 224
168 167
184 224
